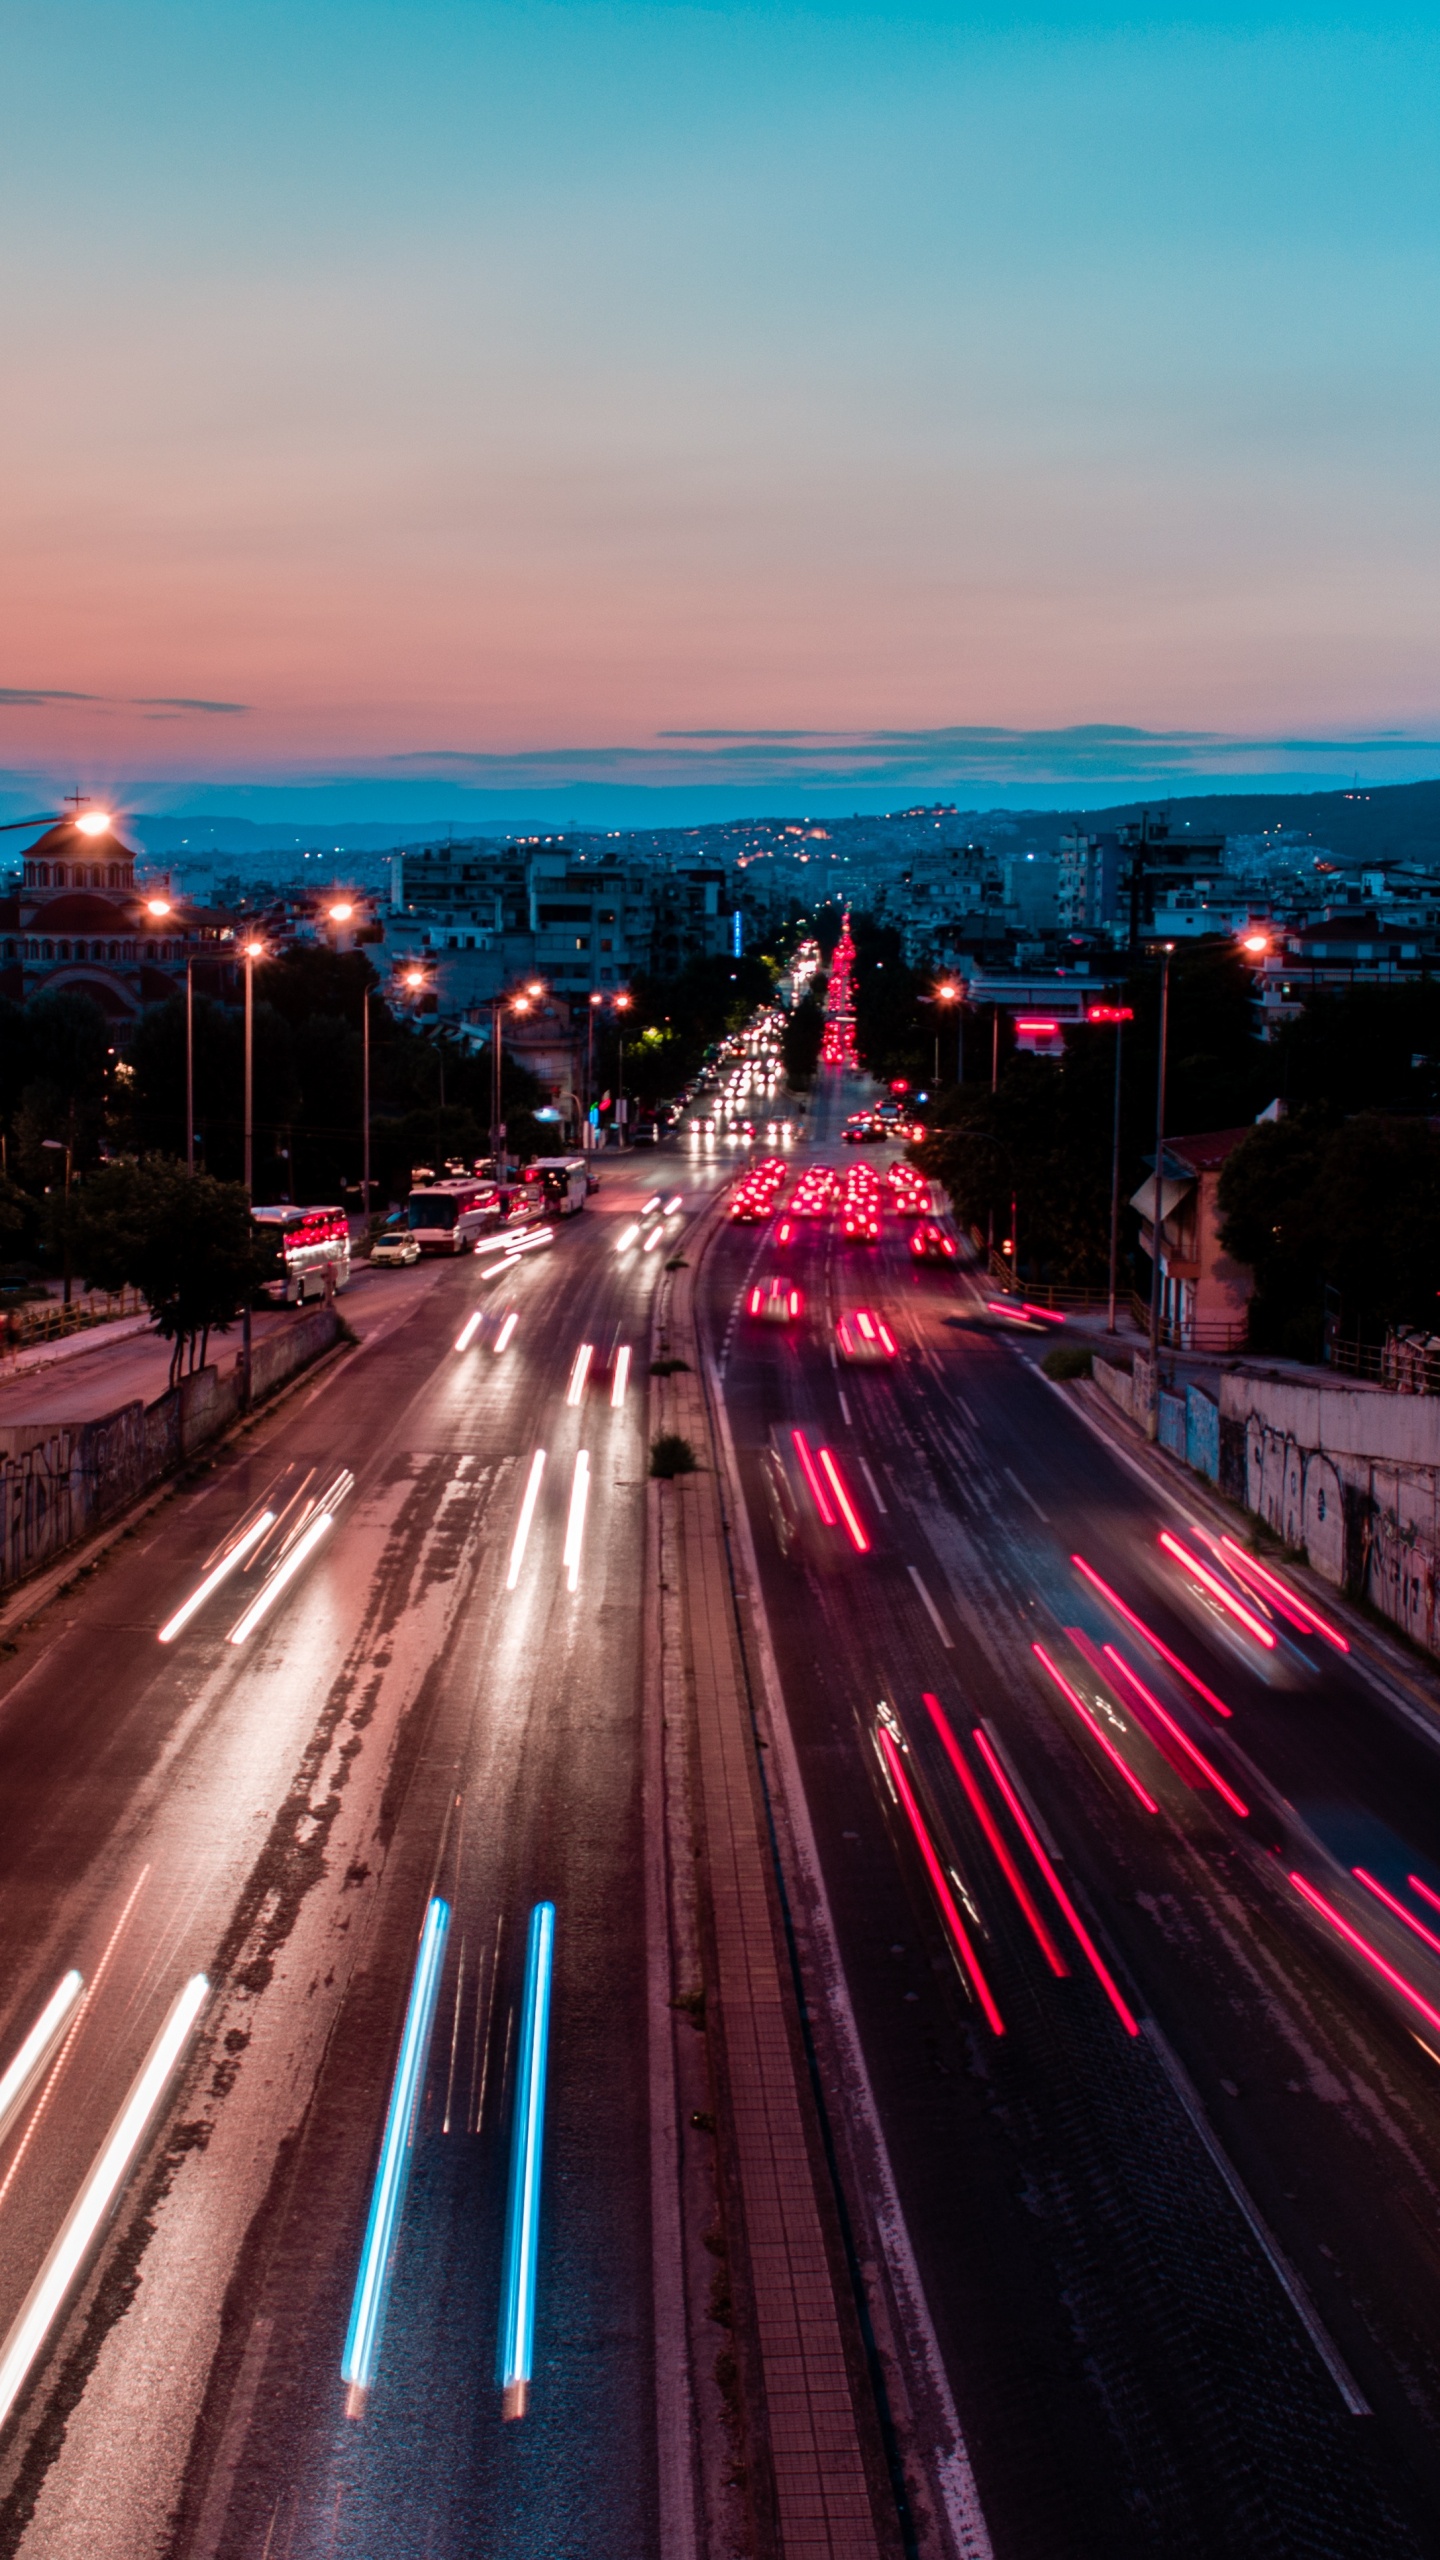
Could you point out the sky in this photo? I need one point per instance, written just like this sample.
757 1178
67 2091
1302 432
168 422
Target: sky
581 408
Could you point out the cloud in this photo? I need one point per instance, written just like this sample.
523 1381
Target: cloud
948 759
36 697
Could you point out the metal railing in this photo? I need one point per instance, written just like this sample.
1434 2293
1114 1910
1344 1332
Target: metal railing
49 1320
1409 1364
1215 1333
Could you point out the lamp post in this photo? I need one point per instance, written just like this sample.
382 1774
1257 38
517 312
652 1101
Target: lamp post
252 951
1119 1014
622 1007
340 913
159 908
1156 1225
65 1147
590 1056
948 993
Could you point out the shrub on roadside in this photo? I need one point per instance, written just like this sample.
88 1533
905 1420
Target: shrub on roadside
1067 1360
672 1455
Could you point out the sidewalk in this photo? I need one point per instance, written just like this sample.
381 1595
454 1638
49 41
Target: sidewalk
802 2406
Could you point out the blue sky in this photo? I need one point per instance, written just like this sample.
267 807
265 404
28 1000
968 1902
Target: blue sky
464 401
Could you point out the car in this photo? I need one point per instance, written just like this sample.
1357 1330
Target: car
932 1243
860 1226
774 1301
862 1337
394 1250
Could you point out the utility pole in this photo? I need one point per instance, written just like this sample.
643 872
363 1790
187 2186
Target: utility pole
189 1064
1137 883
1115 1179
365 1100
1156 1222
253 952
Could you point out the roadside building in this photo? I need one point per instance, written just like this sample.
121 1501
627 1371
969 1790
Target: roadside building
77 920
1204 1293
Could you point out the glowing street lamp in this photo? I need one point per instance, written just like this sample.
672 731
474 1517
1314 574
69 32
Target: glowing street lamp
1257 944
949 993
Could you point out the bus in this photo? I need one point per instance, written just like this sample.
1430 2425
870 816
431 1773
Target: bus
307 1252
451 1217
562 1181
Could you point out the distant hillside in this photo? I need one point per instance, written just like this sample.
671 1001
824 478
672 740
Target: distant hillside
1397 822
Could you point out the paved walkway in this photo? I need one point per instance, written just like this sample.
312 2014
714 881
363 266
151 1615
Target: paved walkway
810 2420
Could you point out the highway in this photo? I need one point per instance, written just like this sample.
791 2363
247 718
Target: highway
1168 2149
427 1713
1150 2063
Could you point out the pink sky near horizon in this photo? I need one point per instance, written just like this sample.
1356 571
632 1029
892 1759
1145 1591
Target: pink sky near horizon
685 426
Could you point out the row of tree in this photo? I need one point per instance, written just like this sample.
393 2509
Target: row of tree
1336 1206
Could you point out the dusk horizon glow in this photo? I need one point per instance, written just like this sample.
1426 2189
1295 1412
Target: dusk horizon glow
551 399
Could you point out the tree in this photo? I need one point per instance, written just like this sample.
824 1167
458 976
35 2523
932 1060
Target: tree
185 1241
1354 1205
800 1042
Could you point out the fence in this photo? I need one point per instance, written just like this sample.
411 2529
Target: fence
49 1320
1406 1361
1213 1334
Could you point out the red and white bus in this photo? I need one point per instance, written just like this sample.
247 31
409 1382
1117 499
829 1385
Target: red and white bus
309 1252
451 1217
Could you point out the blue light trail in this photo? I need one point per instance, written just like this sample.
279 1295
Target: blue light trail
522 2220
362 2342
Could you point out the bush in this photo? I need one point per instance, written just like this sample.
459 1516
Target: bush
667 1368
671 1455
1067 1360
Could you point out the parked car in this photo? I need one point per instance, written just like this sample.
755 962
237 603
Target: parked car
394 1249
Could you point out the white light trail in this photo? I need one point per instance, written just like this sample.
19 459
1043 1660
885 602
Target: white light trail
493 1268
575 1526
652 1203
507 1328
622 1377
284 1573
212 1581
468 1331
527 1514
625 1242
15 2082
580 1372
677 1202
656 1236
43 2302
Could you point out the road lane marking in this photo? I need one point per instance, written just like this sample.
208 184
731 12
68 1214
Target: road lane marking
936 1620
1027 1496
876 1495
527 1514
844 1407
575 1525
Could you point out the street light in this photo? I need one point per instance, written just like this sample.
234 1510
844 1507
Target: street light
1119 1014
64 1146
1153 1419
519 1003
1257 944
622 1007
340 912
949 993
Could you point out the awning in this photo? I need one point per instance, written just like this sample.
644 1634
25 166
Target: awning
1171 1195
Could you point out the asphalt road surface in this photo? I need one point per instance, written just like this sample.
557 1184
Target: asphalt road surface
413 1720
1186 2280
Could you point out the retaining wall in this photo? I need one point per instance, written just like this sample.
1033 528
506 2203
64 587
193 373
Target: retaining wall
1348 1474
60 1480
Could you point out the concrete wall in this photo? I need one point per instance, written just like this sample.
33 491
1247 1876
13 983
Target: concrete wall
58 1481
1348 1474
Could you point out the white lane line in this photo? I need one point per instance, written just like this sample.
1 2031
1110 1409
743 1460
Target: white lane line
527 1514
575 1526
1027 1496
936 1620
1291 2284
965 1409
67 2254
845 1409
876 1495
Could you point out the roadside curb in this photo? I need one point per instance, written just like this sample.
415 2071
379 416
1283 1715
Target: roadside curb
809 2481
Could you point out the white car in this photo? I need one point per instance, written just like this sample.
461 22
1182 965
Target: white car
395 1250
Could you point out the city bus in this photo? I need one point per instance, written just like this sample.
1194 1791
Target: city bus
563 1184
451 1217
307 1252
